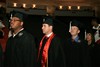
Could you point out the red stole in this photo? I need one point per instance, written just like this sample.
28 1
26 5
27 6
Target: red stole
45 50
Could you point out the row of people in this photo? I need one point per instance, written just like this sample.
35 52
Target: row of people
52 52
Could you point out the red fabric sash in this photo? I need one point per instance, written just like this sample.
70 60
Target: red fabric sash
45 50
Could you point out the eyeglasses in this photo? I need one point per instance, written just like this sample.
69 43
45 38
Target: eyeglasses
14 20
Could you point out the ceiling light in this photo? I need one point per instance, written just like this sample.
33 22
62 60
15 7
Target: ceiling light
60 7
24 5
33 5
69 7
78 7
15 4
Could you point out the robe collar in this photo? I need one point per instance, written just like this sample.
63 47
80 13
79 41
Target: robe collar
17 32
49 34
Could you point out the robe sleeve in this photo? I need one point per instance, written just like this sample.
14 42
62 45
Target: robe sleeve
59 53
29 52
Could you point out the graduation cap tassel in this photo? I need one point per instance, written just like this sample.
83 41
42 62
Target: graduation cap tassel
11 16
10 31
70 26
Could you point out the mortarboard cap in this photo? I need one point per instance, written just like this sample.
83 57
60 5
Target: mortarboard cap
90 31
48 20
76 23
17 14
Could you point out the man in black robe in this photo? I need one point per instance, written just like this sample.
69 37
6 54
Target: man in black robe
75 48
50 52
20 49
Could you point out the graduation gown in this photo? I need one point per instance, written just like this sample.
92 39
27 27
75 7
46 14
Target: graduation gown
20 51
77 54
55 54
96 55
94 50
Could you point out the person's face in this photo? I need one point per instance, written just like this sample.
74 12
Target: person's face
15 23
88 37
74 31
46 29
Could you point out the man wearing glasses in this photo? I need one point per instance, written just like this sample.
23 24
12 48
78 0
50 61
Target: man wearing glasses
20 49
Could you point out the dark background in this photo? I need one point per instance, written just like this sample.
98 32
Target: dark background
33 24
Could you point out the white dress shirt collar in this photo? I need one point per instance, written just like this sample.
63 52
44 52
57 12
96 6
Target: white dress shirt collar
49 34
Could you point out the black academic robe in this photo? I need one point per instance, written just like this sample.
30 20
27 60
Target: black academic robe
96 55
20 51
77 54
55 54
